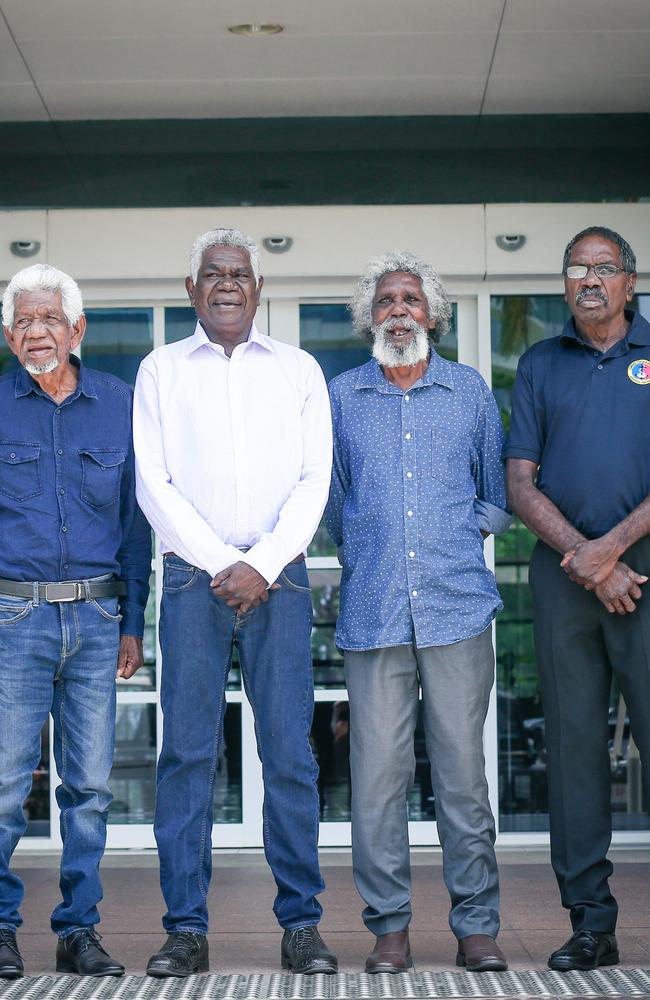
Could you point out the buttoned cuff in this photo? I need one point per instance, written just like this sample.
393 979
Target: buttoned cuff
132 619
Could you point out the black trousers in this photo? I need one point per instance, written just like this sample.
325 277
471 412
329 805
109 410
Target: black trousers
578 645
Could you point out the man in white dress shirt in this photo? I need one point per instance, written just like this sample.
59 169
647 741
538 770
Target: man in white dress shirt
233 448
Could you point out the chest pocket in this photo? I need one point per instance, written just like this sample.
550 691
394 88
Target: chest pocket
101 473
451 462
20 476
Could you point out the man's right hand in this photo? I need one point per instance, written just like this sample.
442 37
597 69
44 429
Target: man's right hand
620 590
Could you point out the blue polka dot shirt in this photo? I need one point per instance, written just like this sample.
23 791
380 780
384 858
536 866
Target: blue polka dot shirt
417 474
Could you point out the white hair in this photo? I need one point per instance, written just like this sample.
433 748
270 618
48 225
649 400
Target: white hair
439 307
223 238
43 277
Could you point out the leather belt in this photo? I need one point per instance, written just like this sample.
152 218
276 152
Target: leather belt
72 590
299 558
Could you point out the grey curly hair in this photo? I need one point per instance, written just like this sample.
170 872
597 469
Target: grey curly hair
439 307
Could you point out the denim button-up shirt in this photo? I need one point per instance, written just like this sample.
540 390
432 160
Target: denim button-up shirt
67 488
417 474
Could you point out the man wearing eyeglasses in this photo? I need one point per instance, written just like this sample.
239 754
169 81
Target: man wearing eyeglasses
579 480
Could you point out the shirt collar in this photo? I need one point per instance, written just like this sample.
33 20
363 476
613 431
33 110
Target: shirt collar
200 339
86 385
439 371
638 333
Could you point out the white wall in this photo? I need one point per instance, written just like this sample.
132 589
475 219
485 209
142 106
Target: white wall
151 245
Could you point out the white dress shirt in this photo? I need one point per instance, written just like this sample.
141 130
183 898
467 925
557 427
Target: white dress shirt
232 453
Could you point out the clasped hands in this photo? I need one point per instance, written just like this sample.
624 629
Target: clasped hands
241 587
595 566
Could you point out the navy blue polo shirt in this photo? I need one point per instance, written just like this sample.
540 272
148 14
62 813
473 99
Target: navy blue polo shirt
584 417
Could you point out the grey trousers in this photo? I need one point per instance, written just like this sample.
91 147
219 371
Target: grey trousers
383 690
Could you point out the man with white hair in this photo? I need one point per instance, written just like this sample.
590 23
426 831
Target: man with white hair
417 483
74 579
234 451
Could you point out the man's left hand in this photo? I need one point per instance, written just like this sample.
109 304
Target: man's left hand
241 587
130 657
590 563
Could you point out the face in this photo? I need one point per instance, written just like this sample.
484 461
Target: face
225 295
400 320
41 337
594 300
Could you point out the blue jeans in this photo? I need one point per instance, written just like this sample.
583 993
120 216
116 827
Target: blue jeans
197 632
58 658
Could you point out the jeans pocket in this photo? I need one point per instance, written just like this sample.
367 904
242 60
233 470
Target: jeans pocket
286 581
13 609
108 608
178 575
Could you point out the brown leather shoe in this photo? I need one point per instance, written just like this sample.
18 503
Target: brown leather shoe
480 953
391 953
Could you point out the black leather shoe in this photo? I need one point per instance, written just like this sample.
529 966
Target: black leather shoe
182 954
81 953
303 950
585 950
11 963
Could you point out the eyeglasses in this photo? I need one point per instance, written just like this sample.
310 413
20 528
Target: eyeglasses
600 270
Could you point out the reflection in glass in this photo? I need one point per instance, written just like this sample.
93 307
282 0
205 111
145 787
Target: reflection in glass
327 659
179 323
37 804
517 323
228 780
133 778
117 340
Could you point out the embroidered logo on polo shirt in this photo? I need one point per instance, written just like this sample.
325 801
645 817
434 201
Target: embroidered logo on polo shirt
639 372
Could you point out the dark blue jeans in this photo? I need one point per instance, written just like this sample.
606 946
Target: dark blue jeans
58 658
197 632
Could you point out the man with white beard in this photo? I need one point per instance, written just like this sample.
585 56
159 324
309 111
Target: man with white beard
417 484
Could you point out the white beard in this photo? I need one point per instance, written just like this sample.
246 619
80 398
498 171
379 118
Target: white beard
391 355
49 366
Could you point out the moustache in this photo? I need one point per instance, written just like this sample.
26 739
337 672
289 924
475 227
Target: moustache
591 293
392 324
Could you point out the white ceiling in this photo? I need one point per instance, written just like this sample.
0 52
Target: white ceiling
107 59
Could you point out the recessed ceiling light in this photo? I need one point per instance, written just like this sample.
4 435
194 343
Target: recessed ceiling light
256 29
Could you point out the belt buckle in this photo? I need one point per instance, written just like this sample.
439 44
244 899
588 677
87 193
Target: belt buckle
59 593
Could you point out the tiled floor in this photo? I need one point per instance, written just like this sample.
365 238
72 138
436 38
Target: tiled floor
245 938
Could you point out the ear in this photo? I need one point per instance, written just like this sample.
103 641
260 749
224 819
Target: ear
78 330
432 324
259 289
11 340
631 285
189 288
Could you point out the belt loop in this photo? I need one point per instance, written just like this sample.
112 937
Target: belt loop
86 587
35 597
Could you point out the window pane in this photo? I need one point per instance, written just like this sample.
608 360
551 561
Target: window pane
117 340
37 804
518 321
327 660
133 778
228 783
179 323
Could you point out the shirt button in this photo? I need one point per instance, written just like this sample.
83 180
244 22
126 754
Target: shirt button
57 412
65 566
414 593
409 513
406 398
13 454
64 528
409 475
412 554
61 491
600 368
59 451
408 437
